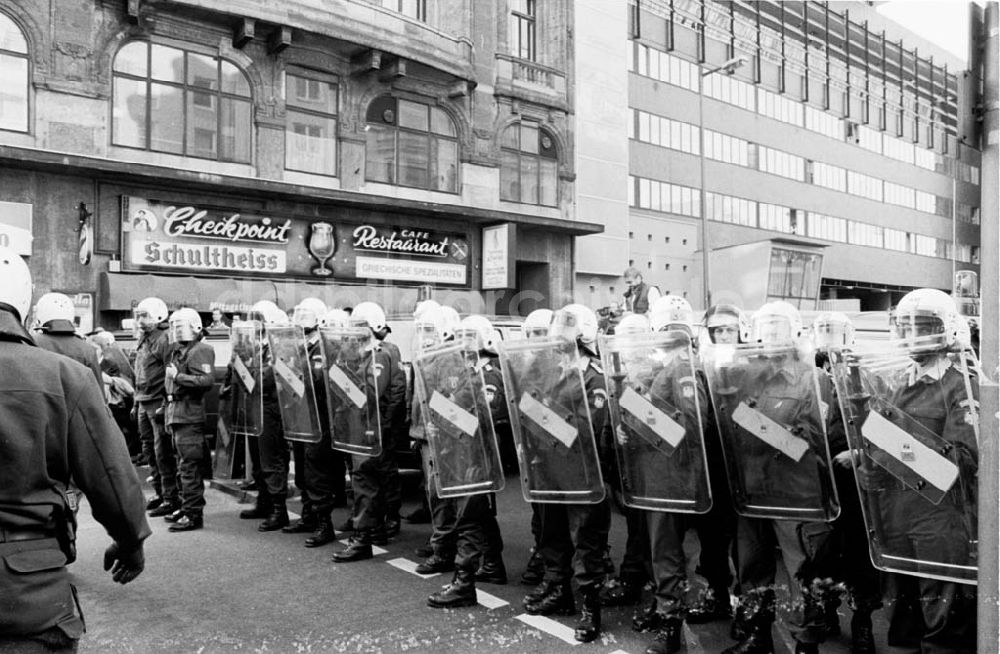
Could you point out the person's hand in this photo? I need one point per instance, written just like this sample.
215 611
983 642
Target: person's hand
843 460
133 415
621 435
171 371
124 566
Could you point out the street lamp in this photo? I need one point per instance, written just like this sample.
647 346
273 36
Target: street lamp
729 67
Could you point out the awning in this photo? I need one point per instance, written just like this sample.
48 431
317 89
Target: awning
122 291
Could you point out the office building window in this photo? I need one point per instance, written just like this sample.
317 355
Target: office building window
14 68
673 134
864 234
167 99
775 218
868 138
529 165
523 27
311 123
729 209
829 176
416 9
901 195
727 149
894 239
821 122
924 245
898 149
781 163
826 227
660 196
730 90
780 107
411 144
864 186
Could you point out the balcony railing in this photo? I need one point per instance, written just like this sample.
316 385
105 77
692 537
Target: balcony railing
530 76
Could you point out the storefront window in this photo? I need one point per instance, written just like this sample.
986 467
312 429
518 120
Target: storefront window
13 77
171 100
529 166
411 144
310 123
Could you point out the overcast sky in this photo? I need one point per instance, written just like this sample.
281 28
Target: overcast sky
944 22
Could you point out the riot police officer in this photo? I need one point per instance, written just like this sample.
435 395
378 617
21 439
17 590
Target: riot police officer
56 332
370 473
54 428
577 533
187 377
151 356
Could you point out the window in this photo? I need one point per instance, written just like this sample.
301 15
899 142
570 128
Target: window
781 163
864 186
310 124
13 77
660 196
522 29
821 122
827 227
529 165
829 176
729 209
413 8
664 132
411 144
172 100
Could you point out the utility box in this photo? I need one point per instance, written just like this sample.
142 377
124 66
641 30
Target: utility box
750 274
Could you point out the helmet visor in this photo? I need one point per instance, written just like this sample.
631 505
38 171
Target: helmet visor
725 334
182 331
469 338
565 325
919 330
772 329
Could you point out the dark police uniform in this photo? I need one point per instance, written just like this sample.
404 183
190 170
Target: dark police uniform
151 358
393 487
185 418
54 427
493 384
324 466
60 336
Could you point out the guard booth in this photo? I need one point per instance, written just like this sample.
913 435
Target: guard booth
750 274
966 294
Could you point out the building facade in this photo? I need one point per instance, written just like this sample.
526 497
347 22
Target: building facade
838 156
217 153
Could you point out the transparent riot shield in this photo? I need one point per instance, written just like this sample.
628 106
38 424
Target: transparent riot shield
656 406
457 421
768 411
352 399
550 418
912 425
293 377
245 410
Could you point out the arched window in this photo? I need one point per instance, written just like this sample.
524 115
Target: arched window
13 76
171 100
529 166
411 144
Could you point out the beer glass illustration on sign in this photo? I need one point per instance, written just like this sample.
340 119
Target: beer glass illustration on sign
322 245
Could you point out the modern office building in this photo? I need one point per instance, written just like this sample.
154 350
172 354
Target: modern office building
837 159
216 153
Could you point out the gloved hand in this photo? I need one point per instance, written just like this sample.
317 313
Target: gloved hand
124 566
133 415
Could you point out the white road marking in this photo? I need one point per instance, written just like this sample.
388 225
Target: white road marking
549 626
490 601
407 565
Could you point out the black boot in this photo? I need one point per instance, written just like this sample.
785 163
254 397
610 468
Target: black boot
668 637
324 533
306 524
862 638
621 592
713 605
806 648
262 506
436 563
492 571
558 600
359 548
277 519
460 592
589 627
648 619
165 509
533 574
758 641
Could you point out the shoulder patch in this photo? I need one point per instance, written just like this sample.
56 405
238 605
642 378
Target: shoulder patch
598 397
378 369
206 368
596 366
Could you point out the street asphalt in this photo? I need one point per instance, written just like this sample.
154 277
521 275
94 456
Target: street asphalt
229 588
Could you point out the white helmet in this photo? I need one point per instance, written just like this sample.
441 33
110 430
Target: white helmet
671 310
185 325
634 323
450 321
727 315
425 307
478 332
308 313
268 313
335 318
370 314
103 338
576 323
16 288
833 329
537 323
926 312
150 312
776 323
53 306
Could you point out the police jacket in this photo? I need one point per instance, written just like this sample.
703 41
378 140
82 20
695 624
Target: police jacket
151 358
397 378
60 336
390 393
55 427
116 364
195 362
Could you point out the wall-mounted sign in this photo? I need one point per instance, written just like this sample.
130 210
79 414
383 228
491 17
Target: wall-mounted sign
499 248
15 227
180 238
